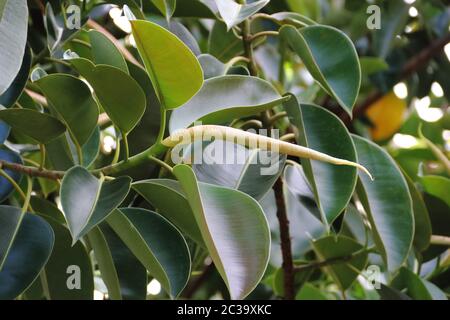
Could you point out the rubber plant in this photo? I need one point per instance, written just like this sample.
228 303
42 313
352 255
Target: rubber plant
114 159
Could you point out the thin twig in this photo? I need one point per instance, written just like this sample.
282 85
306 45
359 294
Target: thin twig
286 248
440 240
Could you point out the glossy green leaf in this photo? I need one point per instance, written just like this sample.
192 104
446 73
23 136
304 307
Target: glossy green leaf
416 287
29 253
169 198
119 94
330 57
41 127
174 70
292 18
157 244
167 7
10 96
105 52
59 270
224 44
87 201
310 292
72 101
234 229
422 224
10 218
211 66
302 211
222 99
6 188
393 19
387 203
123 274
437 186
321 130
13 40
353 255
389 293
233 13
254 172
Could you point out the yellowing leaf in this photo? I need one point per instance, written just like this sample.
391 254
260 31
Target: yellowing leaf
386 115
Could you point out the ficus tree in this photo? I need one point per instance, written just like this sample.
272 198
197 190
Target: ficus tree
118 118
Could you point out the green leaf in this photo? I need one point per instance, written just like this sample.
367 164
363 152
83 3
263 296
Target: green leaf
87 201
339 247
6 188
437 186
13 40
10 218
39 126
169 198
321 130
417 288
57 272
123 274
393 19
372 65
10 96
330 57
72 101
223 44
233 13
117 92
157 244
29 253
302 211
224 98
422 224
131 273
387 203
173 69
105 52
310 292
167 7
292 18
254 172
211 66
234 229
388 293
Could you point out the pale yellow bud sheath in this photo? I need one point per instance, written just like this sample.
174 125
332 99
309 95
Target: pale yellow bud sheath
253 140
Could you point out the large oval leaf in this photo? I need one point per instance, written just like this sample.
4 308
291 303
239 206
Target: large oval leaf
174 70
302 211
169 198
234 229
13 40
330 57
60 267
387 203
157 244
30 251
41 127
10 218
223 98
118 93
73 103
123 274
6 187
9 98
224 44
105 52
321 130
251 171
354 258
87 201
416 287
